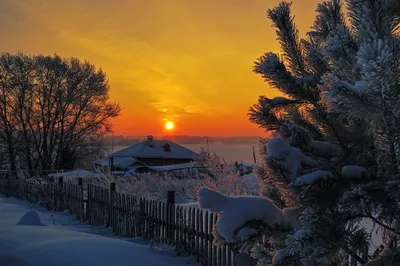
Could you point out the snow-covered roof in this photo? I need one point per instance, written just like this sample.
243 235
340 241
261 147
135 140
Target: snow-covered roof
126 157
144 150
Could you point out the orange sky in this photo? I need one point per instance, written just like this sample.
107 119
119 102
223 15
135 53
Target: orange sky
189 61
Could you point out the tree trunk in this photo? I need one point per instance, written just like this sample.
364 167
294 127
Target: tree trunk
11 153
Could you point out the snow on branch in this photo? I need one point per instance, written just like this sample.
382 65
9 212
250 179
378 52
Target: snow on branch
289 157
353 171
246 233
212 200
236 211
312 177
359 88
324 149
280 256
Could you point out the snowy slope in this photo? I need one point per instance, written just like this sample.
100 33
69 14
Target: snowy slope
63 241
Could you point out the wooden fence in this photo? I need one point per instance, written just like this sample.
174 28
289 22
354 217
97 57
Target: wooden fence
188 229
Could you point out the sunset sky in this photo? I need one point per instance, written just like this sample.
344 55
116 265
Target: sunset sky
188 61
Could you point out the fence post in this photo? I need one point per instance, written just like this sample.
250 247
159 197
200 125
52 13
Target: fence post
111 204
50 189
60 206
170 197
82 200
8 185
170 208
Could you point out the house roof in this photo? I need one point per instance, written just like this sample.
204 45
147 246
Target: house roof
144 150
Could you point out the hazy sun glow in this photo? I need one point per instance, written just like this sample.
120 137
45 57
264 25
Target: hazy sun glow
169 125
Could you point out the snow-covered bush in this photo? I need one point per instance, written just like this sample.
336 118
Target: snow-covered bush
216 174
332 159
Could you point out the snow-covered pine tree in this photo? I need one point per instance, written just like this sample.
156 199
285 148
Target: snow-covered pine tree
333 155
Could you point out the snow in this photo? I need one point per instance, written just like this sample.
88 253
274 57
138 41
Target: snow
30 218
353 171
64 241
359 87
310 178
190 204
133 170
279 256
74 174
306 79
324 149
290 157
247 232
278 148
291 217
236 211
251 182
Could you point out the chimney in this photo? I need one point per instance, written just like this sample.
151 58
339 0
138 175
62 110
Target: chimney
167 147
150 141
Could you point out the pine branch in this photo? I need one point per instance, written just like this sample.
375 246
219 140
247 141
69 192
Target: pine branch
388 260
324 118
369 216
329 16
354 255
315 59
288 37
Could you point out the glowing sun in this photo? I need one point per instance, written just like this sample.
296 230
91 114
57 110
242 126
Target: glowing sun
169 125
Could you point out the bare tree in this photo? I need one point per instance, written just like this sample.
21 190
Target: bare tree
52 108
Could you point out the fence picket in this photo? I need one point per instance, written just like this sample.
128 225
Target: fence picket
197 234
216 251
172 224
211 247
178 229
201 236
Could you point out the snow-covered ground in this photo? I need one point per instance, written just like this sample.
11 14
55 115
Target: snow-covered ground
64 241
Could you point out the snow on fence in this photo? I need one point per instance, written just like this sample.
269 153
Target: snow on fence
188 229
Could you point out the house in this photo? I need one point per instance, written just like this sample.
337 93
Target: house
150 152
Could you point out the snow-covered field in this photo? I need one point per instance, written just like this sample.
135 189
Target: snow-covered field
64 241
